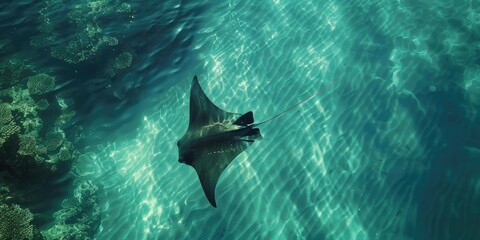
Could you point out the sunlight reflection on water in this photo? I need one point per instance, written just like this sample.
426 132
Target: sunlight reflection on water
342 166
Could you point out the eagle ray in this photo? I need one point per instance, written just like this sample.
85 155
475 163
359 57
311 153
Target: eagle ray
215 137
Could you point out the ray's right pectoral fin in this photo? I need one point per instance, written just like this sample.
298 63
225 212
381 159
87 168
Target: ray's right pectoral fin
209 183
211 164
252 136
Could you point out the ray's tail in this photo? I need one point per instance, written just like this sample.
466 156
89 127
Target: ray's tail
291 107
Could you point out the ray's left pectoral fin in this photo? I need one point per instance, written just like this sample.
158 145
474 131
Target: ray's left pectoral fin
209 183
202 110
211 163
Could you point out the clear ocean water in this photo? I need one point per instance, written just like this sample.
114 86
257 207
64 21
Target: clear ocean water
389 149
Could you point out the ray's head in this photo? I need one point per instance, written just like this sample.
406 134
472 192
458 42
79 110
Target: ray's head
184 154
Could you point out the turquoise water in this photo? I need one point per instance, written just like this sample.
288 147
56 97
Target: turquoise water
389 149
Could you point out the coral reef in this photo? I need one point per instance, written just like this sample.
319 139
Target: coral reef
77 50
36 153
64 154
40 84
111 41
12 71
5 114
54 140
123 60
29 147
38 139
4 43
79 217
42 104
8 127
4 193
65 117
15 222
119 64
89 37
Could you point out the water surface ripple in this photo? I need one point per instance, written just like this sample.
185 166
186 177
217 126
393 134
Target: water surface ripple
389 150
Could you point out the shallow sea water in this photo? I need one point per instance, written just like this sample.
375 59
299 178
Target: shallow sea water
383 152
389 149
